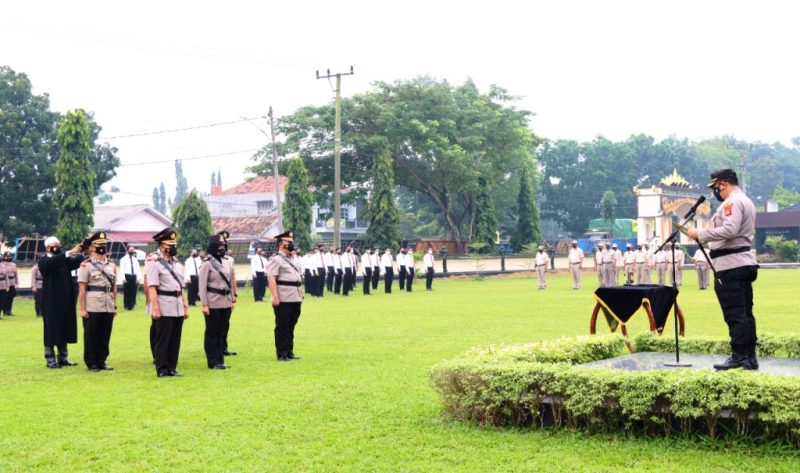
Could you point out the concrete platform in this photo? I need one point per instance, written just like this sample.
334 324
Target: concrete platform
648 361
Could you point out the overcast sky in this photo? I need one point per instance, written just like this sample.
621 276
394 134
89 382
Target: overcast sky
692 69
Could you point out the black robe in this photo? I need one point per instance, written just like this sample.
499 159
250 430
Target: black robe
58 299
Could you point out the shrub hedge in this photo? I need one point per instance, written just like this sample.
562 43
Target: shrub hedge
539 384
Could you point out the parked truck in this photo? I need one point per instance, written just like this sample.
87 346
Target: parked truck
621 231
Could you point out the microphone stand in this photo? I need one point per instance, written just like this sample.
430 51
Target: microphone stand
671 240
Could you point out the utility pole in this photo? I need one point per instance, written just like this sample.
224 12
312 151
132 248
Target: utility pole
276 176
337 148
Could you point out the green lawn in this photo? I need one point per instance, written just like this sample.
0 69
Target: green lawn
360 400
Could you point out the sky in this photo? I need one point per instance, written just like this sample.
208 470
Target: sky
692 69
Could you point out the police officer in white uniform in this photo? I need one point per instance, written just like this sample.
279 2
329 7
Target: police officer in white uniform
258 272
630 263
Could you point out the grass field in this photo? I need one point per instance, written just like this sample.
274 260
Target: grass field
359 400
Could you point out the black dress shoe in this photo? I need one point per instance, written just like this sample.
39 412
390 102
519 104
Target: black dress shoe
220 366
94 368
53 364
284 358
66 362
105 367
229 353
735 361
292 357
164 374
176 374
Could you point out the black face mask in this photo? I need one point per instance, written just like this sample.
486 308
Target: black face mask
100 250
172 250
7 258
131 253
717 195
55 250
290 246
221 252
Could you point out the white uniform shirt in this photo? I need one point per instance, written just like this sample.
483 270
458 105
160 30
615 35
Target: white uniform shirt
618 262
629 257
327 259
401 259
130 265
575 255
699 258
365 263
337 262
386 260
428 260
258 264
192 266
541 259
347 260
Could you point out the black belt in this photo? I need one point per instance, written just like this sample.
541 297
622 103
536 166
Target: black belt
289 283
2 278
168 293
98 289
574 263
221 292
538 265
727 251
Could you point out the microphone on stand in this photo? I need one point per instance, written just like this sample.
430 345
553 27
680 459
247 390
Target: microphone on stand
694 207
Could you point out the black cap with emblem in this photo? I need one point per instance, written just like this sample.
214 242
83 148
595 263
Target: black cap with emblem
727 175
167 236
98 239
288 236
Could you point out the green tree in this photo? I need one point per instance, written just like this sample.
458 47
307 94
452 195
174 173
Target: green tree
162 199
192 221
74 177
383 214
181 185
155 199
296 208
608 206
527 230
785 197
485 219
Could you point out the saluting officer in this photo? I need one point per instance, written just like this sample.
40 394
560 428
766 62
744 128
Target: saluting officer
167 303
9 278
97 296
36 287
217 293
730 239
285 279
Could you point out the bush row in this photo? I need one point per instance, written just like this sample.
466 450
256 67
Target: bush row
539 384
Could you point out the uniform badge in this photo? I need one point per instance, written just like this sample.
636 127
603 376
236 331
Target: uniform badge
728 209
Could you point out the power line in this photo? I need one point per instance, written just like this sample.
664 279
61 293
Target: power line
191 158
188 128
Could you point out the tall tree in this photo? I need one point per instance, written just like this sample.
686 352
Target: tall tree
219 178
74 194
485 219
608 206
383 213
192 221
162 199
156 201
181 185
213 179
527 230
296 208
785 197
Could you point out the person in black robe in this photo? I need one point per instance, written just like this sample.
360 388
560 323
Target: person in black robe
58 301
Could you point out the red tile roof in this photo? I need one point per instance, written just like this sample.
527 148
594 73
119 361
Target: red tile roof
244 228
258 184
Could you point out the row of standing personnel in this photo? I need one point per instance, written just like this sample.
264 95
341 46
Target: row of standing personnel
337 271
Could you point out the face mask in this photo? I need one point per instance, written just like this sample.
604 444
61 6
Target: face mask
172 250
290 246
221 252
574 246
100 250
131 253
7 258
717 195
55 250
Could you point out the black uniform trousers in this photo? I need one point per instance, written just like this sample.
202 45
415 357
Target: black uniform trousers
329 278
259 286
401 278
320 287
428 278
337 284
409 279
167 343
348 281
193 290
7 299
387 279
286 316
367 279
215 335
734 288
96 336
307 281
129 292
37 302
376 276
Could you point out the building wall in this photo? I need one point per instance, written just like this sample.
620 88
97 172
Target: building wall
140 222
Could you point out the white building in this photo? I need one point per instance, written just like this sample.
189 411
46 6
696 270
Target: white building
135 224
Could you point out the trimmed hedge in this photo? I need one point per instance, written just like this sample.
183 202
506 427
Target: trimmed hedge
537 384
